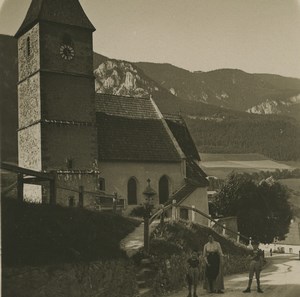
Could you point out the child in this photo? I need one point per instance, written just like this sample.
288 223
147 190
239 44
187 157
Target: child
255 267
193 273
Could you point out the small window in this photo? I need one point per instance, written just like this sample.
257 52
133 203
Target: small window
69 163
28 46
184 214
101 184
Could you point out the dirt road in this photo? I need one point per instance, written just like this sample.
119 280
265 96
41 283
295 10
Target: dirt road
281 278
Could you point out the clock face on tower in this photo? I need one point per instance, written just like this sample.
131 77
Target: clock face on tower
66 52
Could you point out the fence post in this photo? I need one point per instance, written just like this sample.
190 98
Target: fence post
209 221
20 187
174 210
250 240
224 231
238 237
146 229
193 213
115 200
80 201
53 192
162 216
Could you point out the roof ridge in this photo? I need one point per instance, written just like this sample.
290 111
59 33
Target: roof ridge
122 96
171 135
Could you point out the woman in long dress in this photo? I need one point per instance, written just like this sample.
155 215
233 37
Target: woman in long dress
213 257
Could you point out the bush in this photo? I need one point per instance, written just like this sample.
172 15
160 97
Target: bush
138 211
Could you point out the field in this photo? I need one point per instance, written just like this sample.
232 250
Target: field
220 165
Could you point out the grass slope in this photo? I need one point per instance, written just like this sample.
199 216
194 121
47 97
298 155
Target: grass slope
39 234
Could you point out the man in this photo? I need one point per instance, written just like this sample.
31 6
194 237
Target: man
255 267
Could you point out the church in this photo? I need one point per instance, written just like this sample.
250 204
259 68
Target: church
96 145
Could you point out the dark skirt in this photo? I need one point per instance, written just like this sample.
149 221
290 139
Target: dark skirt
212 270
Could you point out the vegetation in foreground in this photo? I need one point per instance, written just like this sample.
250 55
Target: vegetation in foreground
37 234
171 246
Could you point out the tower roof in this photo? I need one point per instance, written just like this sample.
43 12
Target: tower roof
67 12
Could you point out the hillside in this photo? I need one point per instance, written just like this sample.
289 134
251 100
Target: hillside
34 234
230 88
215 129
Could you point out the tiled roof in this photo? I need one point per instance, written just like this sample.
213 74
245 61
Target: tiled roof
133 129
180 131
130 139
67 12
195 174
130 107
182 193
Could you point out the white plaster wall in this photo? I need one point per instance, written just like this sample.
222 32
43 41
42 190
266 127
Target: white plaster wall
199 199
117 174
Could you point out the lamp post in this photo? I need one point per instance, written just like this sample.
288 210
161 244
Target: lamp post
149 193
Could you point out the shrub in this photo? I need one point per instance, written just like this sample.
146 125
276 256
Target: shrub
138 211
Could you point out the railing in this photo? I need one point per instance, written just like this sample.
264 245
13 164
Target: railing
174 216
109 203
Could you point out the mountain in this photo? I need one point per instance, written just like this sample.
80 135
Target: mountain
230 88
214 128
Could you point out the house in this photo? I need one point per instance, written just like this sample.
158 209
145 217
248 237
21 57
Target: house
95 145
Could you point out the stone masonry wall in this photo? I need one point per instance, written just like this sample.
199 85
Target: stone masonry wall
29 64
29 104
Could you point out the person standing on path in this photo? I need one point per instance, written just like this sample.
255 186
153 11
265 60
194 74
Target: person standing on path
255 267
213 257
193 273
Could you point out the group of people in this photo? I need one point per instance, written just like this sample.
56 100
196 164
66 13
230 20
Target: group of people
213 270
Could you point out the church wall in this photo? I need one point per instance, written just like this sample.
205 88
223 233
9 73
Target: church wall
89 182
199 199
53 36
29 64
62 142
117 174
67 97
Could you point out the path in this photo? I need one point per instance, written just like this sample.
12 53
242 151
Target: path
135 240
280 279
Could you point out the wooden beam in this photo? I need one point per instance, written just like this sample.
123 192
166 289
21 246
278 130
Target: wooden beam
17 169
34 180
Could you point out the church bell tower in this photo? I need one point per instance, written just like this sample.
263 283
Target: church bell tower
56 91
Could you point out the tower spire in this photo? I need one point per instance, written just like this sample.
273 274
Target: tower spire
68 12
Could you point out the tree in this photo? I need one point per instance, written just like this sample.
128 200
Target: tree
262 210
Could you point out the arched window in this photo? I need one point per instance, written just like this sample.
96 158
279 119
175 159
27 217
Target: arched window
132 191
28 46
163 189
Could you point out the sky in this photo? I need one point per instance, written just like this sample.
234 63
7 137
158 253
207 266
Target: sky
257 36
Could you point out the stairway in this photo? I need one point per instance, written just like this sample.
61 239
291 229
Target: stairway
145 273
132 244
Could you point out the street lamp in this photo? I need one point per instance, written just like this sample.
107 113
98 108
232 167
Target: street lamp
149 193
